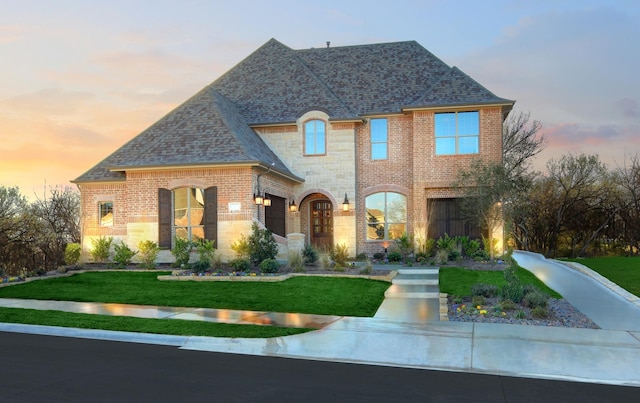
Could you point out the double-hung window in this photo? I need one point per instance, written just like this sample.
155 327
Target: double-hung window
379 139
314 137
188 213
457 133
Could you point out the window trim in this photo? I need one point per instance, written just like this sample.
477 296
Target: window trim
385 142
101 215
386 223
456 136
304 138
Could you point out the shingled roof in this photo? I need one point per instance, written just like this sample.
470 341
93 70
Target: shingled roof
276 84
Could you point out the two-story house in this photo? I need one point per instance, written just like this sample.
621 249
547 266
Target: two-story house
351 145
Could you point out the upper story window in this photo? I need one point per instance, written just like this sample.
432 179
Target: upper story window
315 137
457 133
188 213
379 139
386 215
106 213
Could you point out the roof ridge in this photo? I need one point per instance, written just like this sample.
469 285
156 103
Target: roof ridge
321 82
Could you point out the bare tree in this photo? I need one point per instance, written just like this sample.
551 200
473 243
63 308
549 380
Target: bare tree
627 178
521 141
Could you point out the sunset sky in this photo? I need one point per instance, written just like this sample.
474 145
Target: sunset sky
80 78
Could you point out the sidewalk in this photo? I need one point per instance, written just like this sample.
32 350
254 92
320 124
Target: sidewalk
600 356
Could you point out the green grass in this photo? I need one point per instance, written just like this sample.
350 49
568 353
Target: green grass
458 280
128 324
315 295
624 271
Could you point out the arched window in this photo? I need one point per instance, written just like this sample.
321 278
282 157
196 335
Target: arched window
314 137
386 215
188 213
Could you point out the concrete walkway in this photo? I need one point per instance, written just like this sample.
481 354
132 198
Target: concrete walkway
600 356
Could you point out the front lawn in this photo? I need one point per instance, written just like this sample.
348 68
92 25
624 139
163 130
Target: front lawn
314 295
458 280
624 271
175 327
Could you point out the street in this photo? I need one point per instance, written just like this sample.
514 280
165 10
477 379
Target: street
38 368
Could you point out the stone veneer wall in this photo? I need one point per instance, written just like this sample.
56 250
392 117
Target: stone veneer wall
332 174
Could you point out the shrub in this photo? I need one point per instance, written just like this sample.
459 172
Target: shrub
521 315
442 256
394 256
378 256
474 249
181 251
426 247
123 255
340 254
262 245
485 290
206 250
446 243
216 262
148 253
269 266
367 268
295 262
455 253
478 300
540 312
310 255
508 305
513 289
361 257
241 247
240 264
101 249
405 245
200 266
325 262
535 299
72 253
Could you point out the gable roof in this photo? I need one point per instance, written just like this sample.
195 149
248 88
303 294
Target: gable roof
276 84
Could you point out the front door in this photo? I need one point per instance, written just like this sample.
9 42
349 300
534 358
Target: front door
321 225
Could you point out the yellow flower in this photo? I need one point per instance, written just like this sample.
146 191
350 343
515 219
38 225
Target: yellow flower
483 312
479 307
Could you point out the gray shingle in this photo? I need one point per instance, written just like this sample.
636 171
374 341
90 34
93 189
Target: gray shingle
276 84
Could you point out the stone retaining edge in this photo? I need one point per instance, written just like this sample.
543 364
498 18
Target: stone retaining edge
277 278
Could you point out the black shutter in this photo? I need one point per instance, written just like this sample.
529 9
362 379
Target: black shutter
211 214
164 218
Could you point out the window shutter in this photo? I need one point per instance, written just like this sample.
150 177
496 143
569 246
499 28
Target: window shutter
164 218
211 214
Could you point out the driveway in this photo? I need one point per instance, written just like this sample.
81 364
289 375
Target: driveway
609 308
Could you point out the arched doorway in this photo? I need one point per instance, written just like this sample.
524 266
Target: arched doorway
321 225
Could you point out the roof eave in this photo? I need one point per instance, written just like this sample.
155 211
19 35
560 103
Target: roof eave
501 103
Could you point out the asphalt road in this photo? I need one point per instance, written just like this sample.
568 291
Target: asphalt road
36 368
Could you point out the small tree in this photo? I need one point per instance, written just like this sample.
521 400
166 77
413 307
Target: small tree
405 245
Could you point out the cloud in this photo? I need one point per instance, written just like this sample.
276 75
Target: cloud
628 107
10 33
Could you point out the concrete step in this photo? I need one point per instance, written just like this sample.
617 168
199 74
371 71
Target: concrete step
427 270
416 281
412 291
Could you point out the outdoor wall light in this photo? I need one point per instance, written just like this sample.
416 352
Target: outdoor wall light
345 203
267 200
292 206
258 199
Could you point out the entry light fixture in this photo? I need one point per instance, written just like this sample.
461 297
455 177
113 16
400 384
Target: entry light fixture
292 206
267 200
258 199
345 203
